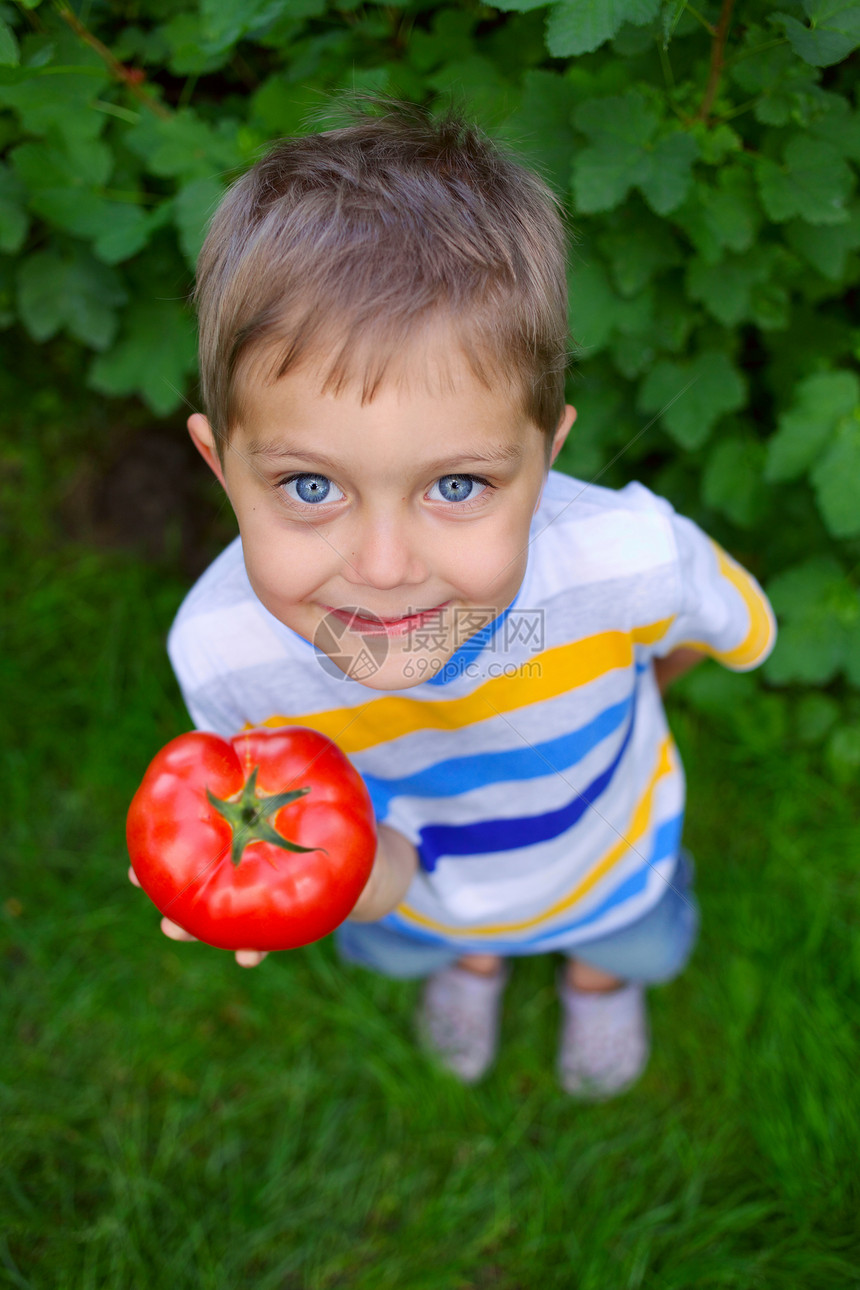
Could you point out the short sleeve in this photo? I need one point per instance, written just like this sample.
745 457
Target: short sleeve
722 610
209 705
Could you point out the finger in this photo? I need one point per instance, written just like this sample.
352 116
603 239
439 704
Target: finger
175 932
250 958
132 877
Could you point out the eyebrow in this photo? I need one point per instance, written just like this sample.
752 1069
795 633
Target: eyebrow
501 456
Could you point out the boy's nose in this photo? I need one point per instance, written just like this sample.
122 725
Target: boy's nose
385 552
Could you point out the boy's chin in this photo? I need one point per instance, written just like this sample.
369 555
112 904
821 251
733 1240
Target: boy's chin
397 673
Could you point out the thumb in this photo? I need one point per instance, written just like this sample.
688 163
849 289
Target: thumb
250 958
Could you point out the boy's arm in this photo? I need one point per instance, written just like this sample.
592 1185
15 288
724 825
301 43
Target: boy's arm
393 870
680 660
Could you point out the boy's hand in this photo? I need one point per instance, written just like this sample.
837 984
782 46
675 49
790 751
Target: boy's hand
393 870
245 958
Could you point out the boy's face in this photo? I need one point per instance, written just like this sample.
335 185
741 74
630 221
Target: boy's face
413 509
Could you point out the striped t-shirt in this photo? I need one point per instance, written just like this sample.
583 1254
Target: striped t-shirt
535 774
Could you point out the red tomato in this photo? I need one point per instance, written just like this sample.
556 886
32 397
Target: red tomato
260 842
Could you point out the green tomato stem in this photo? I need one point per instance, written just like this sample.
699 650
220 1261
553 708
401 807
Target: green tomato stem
250 816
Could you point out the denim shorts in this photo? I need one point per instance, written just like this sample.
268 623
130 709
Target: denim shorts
653 949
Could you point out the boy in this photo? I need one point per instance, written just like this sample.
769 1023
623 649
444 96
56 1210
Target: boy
383 340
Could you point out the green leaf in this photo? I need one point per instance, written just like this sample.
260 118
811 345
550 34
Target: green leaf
843 753
813 182
449 39
185 146
580 26
541 129
8 311
190 54
732 482
225 22
820 402
117 230
814 602
674 319
852 652
716 691
815 715
633 353
76 210
195 205
638 249
46 99
279 107
73 292
76 163
836 124
770 71
670 17
807 650
726 288
153 357
833 33
136 45
10 54
38 50
593 306
633 347
836 480
816 586
477 81
519 6
724 217
13 217
621 129
716 143
694 395
64 180
127 231
669 172
623 155
826 246
770 303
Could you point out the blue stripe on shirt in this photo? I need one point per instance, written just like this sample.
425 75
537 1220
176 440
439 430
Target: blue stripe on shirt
666 842
506 834
458 775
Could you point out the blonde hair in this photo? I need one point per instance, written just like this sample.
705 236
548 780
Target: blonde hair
345 246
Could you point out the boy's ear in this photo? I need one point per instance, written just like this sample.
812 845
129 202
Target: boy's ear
567 420
204 441
562 431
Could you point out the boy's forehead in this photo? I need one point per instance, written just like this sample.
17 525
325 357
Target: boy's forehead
434 368
433 357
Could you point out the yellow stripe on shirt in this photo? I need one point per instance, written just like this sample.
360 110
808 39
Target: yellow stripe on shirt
762 630
549 674
640 822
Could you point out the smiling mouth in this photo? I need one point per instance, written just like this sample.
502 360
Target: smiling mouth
362 621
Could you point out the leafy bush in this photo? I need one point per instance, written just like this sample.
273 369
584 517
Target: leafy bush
709 160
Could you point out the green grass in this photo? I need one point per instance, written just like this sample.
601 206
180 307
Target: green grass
172 1121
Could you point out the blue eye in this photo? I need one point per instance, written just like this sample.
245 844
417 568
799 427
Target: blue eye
458 488
311 488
